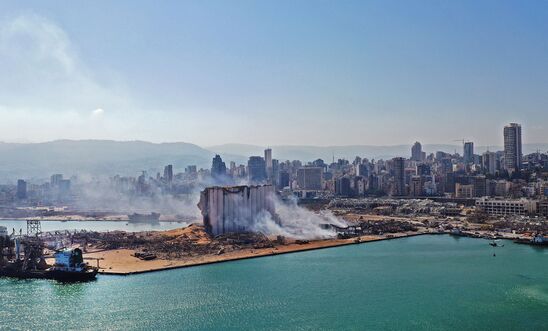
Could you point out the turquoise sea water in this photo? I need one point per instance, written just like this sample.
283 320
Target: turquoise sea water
426 282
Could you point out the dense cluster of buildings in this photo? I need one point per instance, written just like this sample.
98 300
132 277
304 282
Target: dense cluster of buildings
505 175
498 178
57 189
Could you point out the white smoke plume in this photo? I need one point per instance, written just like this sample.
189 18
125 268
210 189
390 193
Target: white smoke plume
290 220
96 195
297 222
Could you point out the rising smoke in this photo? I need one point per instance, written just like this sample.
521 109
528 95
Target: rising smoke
102 195
293 221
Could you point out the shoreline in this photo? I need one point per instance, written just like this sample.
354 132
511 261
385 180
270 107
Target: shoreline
141 267
136 266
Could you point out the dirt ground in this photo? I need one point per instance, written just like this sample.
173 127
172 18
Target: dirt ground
122 261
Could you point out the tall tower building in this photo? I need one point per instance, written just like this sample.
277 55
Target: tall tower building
416 152
310 178
256 169
55 179
399 176
218 167
512 147
468 152
168 173
21 189
489 160
268 162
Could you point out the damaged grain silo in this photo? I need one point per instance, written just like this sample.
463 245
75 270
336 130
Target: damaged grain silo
234 208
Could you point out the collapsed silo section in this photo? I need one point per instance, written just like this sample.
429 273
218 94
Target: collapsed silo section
235 208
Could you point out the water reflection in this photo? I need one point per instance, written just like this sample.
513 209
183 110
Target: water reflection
72 290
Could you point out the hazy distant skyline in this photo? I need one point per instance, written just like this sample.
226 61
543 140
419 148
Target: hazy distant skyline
274 73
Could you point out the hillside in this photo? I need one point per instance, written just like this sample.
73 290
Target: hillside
95 157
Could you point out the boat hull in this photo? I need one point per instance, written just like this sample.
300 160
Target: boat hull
61 276
67 276
37 274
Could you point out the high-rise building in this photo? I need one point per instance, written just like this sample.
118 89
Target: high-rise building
342 187
64 188
256 169
21 189
55 179
362 169
191 169
275 172
424 169
168 173
218 167
512 147
480 186
283 179
489 162
416 186
309 178
468 152
416 152
464 191
268 162
449 182
446 165
399 176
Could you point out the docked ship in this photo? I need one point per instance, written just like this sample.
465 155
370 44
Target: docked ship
69 266
23 257
17 269
144 218
537 240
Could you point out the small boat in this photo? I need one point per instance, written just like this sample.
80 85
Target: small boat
495 243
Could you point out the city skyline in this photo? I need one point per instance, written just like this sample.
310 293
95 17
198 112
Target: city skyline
209 73
274 165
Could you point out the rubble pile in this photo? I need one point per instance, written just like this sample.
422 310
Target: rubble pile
394 206
391 226
521 226
179 243
117 239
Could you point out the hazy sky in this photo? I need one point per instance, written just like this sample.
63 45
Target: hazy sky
274 72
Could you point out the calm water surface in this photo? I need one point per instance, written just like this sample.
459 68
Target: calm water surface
426 282
101 226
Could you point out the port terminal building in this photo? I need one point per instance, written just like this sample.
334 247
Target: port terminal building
504 207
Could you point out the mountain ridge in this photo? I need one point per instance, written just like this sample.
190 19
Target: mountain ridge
129 158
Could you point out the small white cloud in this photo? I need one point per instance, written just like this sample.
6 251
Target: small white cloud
98 112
